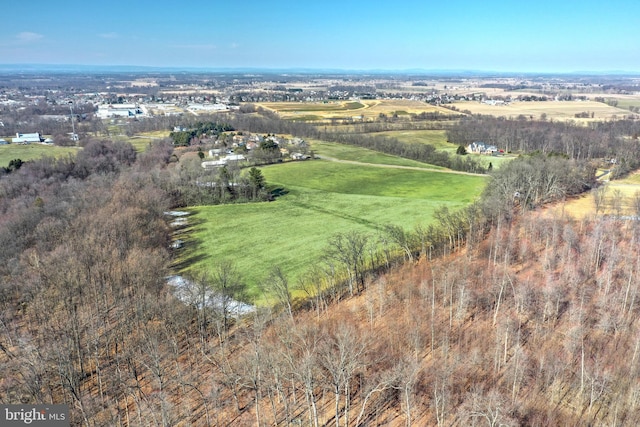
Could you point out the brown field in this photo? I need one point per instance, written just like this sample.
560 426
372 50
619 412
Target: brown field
624 190
556 110
369 109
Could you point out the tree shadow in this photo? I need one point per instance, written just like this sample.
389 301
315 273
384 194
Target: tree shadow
278 192
189 248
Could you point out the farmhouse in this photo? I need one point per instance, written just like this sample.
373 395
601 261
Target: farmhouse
27 138
479 147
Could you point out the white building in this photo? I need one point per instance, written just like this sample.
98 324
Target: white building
27 138
223 161
121 110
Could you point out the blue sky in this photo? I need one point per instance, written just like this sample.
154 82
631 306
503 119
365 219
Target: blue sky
490 35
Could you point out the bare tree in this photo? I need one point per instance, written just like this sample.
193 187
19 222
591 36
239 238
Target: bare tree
350 250
341 354
228 287
277 285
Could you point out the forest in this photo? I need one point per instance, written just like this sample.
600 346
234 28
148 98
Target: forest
494 315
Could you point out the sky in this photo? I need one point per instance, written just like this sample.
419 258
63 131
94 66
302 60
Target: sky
481 35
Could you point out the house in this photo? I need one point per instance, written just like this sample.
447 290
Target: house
479 147
27 138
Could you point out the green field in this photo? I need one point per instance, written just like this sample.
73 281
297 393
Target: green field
363 155
324 198
626 103
32 151
437 138
140 143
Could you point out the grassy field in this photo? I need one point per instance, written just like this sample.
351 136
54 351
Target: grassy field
626 103
324 198
32 152
351 153
140 143
437 138
370 109
557 110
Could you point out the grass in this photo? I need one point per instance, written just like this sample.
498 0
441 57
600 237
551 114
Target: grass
324 198
437 138
358 154
496 161
627 102
32 152
140 143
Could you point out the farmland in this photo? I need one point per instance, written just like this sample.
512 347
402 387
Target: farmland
324 198
370 109
556 110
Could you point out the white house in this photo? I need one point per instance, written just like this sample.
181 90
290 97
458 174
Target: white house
481 148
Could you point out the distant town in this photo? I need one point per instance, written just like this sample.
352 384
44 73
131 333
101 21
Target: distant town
59 108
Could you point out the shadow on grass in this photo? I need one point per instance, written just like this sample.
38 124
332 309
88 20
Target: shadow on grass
190 251
278 192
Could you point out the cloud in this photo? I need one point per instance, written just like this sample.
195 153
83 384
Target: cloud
28 37
234 45
108 35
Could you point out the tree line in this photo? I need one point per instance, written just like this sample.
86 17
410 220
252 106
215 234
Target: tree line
598 140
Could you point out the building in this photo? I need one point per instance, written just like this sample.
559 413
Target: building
223 161
479 147
121 110
27 138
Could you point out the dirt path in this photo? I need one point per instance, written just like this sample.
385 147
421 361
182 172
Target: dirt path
415 168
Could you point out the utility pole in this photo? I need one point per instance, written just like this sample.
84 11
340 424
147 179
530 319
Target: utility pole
74 135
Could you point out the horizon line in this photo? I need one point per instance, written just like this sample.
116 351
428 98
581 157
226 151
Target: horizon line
30 67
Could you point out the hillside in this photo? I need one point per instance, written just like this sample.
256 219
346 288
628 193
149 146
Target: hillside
536 324
491 314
